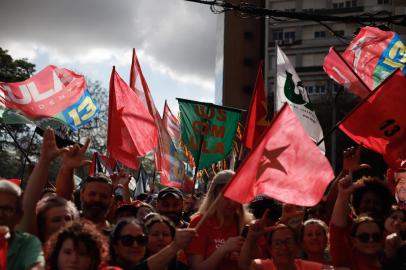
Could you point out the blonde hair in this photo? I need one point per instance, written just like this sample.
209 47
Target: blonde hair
222 178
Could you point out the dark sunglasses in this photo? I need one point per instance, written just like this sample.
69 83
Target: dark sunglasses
128 240
366 237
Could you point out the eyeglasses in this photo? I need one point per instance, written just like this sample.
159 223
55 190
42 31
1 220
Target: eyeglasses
128 240
367 237
287 242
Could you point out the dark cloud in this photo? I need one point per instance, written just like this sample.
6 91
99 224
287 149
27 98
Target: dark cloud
178 35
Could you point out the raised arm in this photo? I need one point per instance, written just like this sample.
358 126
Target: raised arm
73 158
160 260
37 181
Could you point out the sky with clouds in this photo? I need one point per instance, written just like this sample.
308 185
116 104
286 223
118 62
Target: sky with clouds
175 41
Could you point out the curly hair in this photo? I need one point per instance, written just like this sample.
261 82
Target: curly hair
80 232
375 186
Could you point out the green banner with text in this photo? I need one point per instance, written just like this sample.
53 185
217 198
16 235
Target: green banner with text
208 130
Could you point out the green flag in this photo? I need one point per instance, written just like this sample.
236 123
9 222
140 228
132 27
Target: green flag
208 130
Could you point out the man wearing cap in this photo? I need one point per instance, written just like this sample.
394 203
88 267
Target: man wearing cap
170 204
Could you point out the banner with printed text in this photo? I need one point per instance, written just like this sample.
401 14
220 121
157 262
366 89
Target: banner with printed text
52 93
208 130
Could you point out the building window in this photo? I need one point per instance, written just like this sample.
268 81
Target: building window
320 34
340 32
347 3
290 10
383 2
309 89
285 36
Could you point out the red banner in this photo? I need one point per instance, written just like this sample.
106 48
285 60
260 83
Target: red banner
44 95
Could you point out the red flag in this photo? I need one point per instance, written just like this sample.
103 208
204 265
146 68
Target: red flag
46 94
171 123
378 123
285 165
339 70
257 116
166 158
131 129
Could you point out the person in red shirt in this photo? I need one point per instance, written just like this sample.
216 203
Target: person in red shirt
218 243
362 247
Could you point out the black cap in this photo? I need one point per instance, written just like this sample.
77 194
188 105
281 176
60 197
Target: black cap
163 193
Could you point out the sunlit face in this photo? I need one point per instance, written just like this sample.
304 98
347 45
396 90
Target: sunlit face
55 218
130 254
283 246
368 239
393 223
401 186
96 199
73 257
159 236
314 238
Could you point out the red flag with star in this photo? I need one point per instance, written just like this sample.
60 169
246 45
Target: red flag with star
286 165
257 115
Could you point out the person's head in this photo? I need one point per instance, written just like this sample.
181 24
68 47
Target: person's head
318 211
143 209
170 203
393 223
161 232
261 203
125 210
225 206
79 245
127 243
400 184
367 236
54 212
314 234
373 198
11 209
283 244
142 197
96 196
189 203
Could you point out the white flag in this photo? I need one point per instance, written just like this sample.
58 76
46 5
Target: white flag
289 89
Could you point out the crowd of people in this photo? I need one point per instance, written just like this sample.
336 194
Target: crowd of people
358 224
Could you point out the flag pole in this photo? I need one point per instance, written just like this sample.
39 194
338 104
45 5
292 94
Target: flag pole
355 108
355 73
275 78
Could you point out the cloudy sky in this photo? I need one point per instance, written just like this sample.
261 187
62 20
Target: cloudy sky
174 39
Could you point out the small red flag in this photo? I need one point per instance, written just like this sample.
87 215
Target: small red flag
285 165
257 116
378 123
338 70
131 129
171 123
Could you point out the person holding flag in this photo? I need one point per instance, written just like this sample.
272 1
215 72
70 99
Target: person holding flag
218 243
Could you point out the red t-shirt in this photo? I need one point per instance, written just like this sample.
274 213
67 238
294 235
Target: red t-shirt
343 254
210 237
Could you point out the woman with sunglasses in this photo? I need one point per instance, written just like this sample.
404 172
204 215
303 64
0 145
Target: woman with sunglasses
128 243
161 232
219 242
362 248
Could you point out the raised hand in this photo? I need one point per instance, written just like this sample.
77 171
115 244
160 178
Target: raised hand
183 237
74 156
233 244
258 226
49 149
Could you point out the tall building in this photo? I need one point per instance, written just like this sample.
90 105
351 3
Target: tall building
306 43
